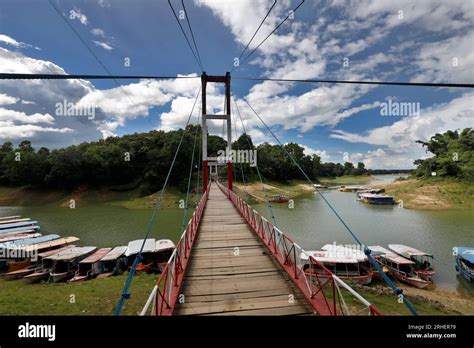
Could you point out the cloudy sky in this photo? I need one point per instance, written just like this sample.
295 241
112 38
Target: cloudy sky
420 41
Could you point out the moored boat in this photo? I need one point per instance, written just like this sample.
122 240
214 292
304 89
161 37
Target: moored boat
164 249
146 262
9 237
22 224
399 267
90 267
464 257
349 264
423 261
278 199
43 265
65 263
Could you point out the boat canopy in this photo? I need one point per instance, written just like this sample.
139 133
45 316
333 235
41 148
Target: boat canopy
20 229
328 257
373 195
50 244
3 222
71 253
345 252
164 244
114 254
467 253
55 251
96 256
135 245
18 224
391 256
407 251
30 241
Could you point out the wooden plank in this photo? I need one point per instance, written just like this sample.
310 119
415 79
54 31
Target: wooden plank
240 295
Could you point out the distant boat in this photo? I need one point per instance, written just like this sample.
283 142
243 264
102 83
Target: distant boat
90 267
278 199
113 263
371 190
44 266
164 249
319 186
352 188
19 229
399 267
18 224
464 257
65 263
349 264
146 263
371 198
422 260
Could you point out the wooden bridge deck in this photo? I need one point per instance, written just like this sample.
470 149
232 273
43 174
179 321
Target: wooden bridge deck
231 272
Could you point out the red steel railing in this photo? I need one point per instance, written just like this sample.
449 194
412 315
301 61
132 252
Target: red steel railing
165 293
310 276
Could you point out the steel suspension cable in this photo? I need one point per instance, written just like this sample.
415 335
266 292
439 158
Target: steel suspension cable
16 76
269 206
393 83
256 31
367 251
125 293
185 36
192 34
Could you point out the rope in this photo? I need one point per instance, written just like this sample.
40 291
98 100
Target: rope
367 251
256 31
241 164
269 206
125 293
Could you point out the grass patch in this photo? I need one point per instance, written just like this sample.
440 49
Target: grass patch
93 297
434 193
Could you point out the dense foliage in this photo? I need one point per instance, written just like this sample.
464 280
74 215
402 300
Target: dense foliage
142 160
453 155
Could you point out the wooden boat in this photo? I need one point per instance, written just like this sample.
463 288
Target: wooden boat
319 186
464 257
19 273
399 267
10 221
423 261
371 190
278 199
65 263
164 249
20 229
113 263
44 266
10 217
18 224
148 251
353 188
349 264
47 245
29 241
15 236
371 198
90 267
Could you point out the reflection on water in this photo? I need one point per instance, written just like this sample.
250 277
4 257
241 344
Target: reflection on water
312 224
102 225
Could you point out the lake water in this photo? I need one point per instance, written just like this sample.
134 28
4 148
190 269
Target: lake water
312 224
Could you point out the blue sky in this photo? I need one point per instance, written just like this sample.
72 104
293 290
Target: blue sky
422 41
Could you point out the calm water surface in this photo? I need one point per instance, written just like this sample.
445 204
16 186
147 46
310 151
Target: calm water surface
312 224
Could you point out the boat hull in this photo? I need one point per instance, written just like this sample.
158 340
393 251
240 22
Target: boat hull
17 265
18 274
352 280
464 272
36 277
417 282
